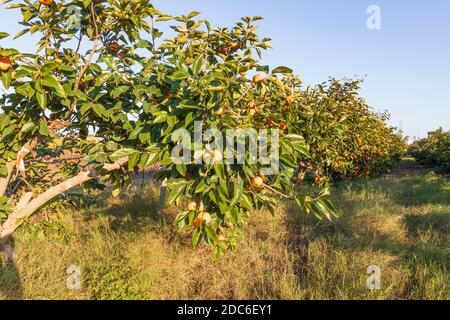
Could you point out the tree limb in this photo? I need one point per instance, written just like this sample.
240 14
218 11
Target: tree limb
27 148
6 244
16 218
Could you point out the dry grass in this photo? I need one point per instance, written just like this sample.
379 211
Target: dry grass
126 251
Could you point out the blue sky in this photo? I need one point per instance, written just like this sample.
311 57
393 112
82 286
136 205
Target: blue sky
406 64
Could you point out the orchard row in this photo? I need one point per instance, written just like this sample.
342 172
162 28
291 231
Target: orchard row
433 150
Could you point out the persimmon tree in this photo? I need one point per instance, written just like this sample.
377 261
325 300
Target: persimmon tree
107 95
345 136
433 150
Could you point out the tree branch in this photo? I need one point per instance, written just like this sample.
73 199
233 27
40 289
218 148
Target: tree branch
6 244
27 148
16 218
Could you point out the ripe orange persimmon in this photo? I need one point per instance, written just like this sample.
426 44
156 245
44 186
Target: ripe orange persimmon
289 99
223 51
5 64
219 111
258 182
47 3
192 206
197 222
283 126
258 78
271 123
252 105
234 46
114 48
206 217
203 217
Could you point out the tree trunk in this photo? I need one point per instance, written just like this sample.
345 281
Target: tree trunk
4 182
6 243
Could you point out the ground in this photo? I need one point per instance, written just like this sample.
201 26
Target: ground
399 222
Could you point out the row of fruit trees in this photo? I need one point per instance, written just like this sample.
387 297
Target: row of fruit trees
433 150
109 95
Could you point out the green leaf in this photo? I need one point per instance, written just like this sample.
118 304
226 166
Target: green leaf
188 105
122 153
4 35
180 75
43 127
52 82
215 88
148 160
99 109
86 107
212 235
119 91
325 192
201 187
175 192
21 33
196 238
6 79
219 168
282 70
132 162
3 170
238 191
197 65
27 127
86 3
330 207
181 168
160 119
193 14
246 203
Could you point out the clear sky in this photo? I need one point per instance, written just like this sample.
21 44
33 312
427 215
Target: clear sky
406 64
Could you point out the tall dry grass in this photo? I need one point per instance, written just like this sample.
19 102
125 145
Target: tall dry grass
127 251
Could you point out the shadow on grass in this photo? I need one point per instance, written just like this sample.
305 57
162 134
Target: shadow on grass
137 211
422 189
132 209
436 223
365 228
10 284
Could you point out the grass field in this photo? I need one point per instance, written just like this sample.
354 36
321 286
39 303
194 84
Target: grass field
399 222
